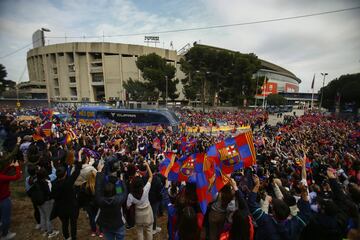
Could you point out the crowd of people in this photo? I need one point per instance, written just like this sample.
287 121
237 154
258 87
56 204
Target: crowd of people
305 184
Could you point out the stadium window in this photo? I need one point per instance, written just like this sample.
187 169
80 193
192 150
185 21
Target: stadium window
72 79
73 91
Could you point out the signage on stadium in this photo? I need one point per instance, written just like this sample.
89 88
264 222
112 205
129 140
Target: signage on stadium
154 39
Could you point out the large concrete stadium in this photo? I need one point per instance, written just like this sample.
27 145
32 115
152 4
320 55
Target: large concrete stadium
96 71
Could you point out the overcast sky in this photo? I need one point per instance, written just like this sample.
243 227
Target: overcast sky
327 43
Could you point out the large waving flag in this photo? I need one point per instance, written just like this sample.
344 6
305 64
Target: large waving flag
187 144
209 181
184 168
233 154
167 163
48 113
46 129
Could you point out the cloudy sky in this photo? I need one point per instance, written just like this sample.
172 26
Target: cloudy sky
327 43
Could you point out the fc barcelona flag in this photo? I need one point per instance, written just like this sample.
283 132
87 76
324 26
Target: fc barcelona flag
184 168
233 154
167 163
209 181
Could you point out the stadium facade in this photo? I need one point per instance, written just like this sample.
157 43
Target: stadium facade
91 71
96 71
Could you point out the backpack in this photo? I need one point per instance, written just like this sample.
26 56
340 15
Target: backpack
36 194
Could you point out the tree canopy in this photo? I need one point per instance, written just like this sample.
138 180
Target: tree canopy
155 72
3 72
5 85
346 87
275 99
212 72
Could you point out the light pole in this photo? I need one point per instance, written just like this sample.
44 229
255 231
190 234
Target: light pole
43 35
256 90
47 78
322 90
166 91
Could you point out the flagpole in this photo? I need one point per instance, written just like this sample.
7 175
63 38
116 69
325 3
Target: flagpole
312 99
312 95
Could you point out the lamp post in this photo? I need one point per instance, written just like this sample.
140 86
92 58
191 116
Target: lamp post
256 89
166 91
322 91
43 35
47 78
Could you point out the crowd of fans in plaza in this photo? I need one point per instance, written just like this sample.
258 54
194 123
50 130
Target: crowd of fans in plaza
305 184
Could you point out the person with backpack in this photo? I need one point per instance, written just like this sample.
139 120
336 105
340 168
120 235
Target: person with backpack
110 196
66 205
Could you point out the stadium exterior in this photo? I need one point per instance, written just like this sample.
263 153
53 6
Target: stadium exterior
96 71
279 80
91 72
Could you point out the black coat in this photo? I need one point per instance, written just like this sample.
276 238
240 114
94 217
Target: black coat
64 194
111 215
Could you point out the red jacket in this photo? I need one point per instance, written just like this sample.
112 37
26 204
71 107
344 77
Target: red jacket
5 181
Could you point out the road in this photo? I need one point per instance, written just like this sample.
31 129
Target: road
273 119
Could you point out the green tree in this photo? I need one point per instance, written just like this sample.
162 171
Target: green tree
156 72
7 87
3 72
139 91
211 71
346 87
275 99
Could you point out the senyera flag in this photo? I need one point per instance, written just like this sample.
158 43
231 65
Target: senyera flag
184 168
234 153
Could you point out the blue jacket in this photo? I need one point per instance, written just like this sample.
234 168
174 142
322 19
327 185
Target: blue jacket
270 228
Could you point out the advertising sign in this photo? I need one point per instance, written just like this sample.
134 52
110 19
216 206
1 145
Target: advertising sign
291 88
270 88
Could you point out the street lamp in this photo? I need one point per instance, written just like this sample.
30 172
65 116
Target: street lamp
166 91
43 35
256 89
322 91
47 78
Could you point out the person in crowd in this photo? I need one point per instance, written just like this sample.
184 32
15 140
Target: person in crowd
88 202
188 225
5 201
110 196
66 205
217 212
278 225
139 196
44 202
155 195
296 195
242 227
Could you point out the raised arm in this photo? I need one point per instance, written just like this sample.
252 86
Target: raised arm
259 215
149 172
